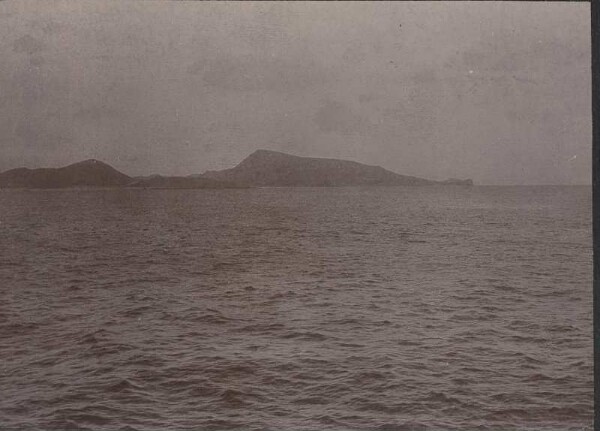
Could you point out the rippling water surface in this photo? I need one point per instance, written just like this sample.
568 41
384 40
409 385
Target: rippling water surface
296 309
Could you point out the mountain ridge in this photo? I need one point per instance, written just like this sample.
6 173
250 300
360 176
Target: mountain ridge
267 168
262 168
87 173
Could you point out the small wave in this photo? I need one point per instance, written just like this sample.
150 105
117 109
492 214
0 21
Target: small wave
96 336
364 405
87 416
137 311
19 328
539 377
233 398
211 316
263 328
124 385
406 426
311 401
66 424
441 397
305 336
509 414
351 345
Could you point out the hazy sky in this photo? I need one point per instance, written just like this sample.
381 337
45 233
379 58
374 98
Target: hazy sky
498 92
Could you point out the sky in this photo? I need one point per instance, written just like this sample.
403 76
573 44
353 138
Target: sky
499 92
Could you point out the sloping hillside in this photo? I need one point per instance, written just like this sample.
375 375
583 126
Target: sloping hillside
272 168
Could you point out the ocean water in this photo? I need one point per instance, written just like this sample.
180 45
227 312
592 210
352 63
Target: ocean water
391 308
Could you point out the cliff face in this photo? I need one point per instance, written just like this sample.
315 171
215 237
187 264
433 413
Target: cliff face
271 168
89 173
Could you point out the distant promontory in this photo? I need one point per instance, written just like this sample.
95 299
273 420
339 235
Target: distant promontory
262 168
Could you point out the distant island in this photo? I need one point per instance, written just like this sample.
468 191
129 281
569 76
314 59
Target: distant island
263 168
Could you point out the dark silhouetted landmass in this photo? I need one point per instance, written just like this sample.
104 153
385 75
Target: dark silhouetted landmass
89 173
191 182
457 182
274 169
262 168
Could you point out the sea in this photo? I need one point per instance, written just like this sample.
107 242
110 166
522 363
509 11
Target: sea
351 308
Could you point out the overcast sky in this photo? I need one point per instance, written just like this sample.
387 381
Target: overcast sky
498 92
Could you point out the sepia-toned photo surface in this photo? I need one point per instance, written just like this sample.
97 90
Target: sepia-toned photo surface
295 216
